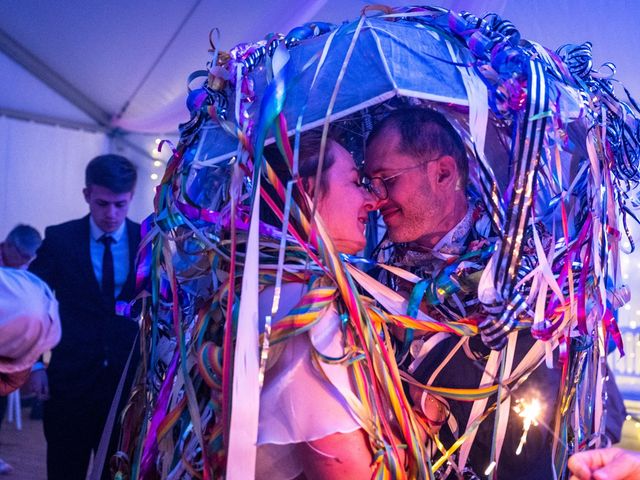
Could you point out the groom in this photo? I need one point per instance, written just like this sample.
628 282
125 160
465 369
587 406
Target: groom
418 168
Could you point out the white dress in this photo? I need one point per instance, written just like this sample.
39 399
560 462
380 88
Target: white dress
298 403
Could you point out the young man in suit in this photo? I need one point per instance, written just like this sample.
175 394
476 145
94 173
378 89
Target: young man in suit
89 263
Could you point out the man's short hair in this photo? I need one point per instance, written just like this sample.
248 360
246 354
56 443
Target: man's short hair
25 239
424 134
114 172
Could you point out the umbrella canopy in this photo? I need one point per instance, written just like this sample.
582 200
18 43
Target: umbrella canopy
324 79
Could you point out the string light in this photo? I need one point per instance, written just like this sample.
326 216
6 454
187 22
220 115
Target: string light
157 163
529 412
154 176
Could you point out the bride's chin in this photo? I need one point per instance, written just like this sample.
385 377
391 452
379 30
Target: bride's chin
351 247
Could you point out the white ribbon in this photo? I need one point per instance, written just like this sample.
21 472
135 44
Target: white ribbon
245 404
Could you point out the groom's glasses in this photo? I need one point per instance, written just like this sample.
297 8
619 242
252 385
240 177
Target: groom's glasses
379 186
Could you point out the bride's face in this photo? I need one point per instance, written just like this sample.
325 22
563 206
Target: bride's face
344 204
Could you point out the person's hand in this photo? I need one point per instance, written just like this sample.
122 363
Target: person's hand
12 381
434 410
605 464
38 384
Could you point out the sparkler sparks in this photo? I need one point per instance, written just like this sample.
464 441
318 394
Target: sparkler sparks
530 412
490 468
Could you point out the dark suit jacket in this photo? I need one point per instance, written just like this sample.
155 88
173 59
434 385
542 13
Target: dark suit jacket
534 463
95 342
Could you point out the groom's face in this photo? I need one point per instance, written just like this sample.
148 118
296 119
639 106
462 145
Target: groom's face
412 208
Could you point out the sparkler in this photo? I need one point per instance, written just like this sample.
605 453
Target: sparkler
529 411
490 468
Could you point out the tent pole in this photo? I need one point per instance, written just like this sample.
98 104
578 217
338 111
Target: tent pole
53 121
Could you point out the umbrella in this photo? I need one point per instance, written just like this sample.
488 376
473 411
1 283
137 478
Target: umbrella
388 59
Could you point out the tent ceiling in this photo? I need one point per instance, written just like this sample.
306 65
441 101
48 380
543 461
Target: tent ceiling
124 63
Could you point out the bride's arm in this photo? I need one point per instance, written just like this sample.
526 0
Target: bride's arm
340 455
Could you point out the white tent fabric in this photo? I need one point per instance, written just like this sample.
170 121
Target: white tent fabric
43 174
24 93
26 187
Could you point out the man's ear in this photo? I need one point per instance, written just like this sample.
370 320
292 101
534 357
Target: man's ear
309 185
446 172
86 191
